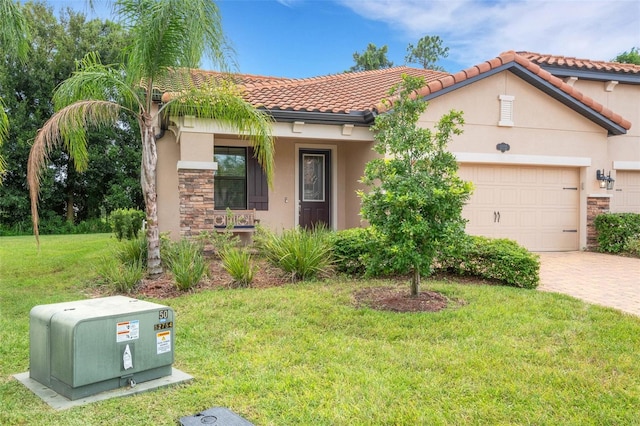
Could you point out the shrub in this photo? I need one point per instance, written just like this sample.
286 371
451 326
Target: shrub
220 241
126 223
186 262
633 246
615 229
352 250
122 278
238 263
498 259
305 254
134 251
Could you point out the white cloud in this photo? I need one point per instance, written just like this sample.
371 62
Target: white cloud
477 30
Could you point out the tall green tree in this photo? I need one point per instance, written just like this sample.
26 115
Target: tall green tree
27 87
373 58
630 57
166 38
14 35
416 199
427 53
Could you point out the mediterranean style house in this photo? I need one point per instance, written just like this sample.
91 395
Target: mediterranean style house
548 143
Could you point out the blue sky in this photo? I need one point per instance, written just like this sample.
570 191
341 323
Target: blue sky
307 38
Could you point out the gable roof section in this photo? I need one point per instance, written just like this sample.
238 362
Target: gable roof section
565 66
355 98
537 77
337 98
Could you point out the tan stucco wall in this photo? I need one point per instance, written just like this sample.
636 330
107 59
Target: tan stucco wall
167 185
624 99
543 127
348 161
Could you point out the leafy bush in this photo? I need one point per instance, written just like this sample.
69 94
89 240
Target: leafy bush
633 246
126 223
352 250
185 261
238 263
499 259
56 225
305 254
615 229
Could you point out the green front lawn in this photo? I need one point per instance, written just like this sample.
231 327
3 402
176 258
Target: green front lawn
303 355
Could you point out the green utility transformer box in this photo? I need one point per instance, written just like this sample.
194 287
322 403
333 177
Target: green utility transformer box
89 346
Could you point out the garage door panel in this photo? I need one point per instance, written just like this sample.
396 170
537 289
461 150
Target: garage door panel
535 206
626 195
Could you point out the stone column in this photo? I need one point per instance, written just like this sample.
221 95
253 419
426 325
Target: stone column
596 205
195 188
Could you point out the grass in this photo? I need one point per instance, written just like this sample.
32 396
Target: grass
302 354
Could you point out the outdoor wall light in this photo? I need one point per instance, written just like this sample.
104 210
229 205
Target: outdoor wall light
605 181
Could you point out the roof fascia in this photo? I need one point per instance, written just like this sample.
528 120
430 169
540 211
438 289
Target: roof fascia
551 90
361 118
592 74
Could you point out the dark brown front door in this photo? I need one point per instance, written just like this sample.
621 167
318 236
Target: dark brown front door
315 187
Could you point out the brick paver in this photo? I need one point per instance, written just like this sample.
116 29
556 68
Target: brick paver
597 278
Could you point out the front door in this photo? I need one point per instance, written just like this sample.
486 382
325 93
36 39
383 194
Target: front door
315 188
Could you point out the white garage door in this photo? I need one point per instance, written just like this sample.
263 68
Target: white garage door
626 193
535 206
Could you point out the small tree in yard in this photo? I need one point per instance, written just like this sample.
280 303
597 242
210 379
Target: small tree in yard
417 197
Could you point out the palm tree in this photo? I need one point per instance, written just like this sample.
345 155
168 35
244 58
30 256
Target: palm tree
14 36
167 38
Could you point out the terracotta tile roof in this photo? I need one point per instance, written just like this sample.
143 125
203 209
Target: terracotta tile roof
506 60
336 93
582 64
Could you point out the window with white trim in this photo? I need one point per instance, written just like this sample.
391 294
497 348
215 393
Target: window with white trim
239 183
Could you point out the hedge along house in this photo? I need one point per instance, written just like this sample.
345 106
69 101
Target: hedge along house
532 145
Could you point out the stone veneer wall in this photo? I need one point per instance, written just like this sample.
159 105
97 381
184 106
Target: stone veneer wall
595 206
195 189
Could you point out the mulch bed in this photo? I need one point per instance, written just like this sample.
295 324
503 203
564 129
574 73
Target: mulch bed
395 298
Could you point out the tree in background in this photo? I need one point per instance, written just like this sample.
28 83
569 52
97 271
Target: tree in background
14 36
27 87
371 59
166 37
427 53
630 57
417 197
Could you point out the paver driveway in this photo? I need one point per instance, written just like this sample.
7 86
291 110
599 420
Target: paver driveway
597 278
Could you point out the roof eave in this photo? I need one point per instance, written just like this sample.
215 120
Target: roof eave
541 84
597 75
358 118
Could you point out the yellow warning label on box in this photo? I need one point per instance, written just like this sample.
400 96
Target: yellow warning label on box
163 342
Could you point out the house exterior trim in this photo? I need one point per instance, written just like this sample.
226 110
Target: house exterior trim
197 165
529 160
626 165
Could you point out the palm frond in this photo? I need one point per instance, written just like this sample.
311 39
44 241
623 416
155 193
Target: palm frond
66 127
172 33
14 30
95 81
224 102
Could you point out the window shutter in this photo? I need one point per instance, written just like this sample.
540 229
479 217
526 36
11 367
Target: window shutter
257 188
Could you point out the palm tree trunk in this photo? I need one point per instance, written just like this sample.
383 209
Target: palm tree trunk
415 281
148 181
